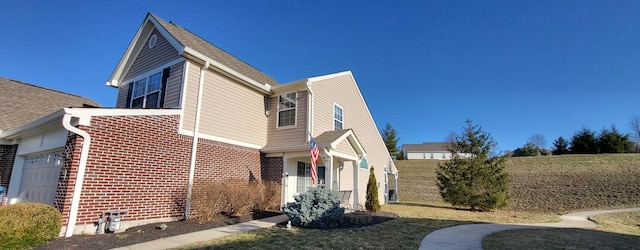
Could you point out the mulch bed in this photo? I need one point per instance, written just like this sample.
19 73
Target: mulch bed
139 234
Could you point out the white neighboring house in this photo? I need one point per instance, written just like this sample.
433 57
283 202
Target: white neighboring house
427 151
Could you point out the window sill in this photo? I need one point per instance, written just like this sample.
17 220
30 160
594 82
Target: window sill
286 127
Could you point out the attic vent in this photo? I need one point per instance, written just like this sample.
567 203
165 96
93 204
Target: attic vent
152 41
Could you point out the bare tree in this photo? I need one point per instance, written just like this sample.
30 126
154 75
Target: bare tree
635 129
635 132
451 139
537 141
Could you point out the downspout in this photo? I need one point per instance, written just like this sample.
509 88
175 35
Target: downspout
309 112
194 146
77 189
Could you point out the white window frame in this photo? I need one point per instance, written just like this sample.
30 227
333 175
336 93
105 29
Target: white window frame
295 110
341 121
303 183
145 91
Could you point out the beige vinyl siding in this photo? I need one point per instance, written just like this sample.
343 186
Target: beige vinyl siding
288 136
174 86
345 148
190 96
123 92
172 96
229 109
149 59
344 91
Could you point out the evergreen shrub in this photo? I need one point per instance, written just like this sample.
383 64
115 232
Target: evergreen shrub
26 225
316 208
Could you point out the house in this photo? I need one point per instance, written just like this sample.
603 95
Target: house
24 103
188 111
428 151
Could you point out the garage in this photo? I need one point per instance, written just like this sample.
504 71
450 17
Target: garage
40 175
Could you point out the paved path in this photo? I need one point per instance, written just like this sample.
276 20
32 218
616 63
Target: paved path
210 234
470 236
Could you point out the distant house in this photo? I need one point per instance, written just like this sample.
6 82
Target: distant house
427 151
188 111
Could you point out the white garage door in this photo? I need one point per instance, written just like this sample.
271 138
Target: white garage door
40 178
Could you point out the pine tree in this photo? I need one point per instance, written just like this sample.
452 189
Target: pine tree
372 203
584 142
478 181
390 138
560 146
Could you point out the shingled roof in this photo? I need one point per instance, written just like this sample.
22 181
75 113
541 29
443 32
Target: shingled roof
23 103
188 39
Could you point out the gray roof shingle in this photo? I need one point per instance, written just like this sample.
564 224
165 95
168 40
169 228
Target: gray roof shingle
23 103
188 39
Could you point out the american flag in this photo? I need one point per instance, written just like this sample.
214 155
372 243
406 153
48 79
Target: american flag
315 153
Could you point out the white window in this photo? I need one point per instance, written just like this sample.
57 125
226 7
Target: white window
431 155
304 177
287 109
146 92
444 155
337 117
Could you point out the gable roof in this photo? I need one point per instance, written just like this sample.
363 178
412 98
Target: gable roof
188 44
23 102
426 147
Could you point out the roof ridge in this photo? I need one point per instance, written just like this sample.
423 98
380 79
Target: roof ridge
33 85
210 43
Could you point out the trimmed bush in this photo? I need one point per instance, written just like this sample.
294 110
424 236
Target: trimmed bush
25 225
372 203
316 208
234 197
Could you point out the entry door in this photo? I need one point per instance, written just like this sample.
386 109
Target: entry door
39 178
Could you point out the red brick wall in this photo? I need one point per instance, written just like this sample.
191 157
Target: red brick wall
272 169
141 164
7 157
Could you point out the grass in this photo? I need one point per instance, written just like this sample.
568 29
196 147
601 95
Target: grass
614 231
545 183
415 222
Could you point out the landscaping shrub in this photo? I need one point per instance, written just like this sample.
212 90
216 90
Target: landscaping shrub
208 200
316 208
233 197
372 203
26 225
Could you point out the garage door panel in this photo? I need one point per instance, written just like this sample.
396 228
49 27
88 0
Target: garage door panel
40 178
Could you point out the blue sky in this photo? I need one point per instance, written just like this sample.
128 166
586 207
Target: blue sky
517 68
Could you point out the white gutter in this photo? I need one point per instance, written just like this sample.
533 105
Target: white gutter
77 189
194 147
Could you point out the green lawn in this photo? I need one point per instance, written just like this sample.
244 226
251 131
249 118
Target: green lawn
406 232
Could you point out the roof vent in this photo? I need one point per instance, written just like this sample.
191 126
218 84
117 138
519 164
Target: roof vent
153 40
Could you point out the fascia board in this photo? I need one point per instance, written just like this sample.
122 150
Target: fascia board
47 120
264 88
134 48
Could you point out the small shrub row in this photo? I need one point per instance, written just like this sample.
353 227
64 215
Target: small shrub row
25 225
232 197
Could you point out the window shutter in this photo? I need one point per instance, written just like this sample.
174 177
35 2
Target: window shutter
163 92
130 85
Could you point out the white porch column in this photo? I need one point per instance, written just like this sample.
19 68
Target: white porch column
328 166
356 165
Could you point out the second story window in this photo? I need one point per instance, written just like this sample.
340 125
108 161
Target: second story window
146 92
287 109
337 117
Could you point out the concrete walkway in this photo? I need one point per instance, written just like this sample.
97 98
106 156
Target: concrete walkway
470 236
205 235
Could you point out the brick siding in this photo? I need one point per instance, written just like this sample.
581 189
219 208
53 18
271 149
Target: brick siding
7 157
141 164
272 168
